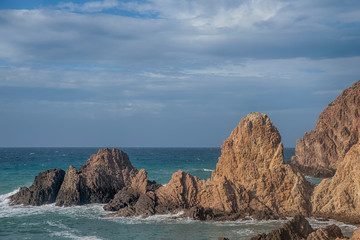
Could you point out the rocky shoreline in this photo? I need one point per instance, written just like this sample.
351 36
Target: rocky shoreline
251 179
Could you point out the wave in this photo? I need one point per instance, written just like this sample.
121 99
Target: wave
6 210
67 232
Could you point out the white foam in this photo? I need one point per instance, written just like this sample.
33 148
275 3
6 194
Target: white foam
207 170
246 232
68 232
6 210
31 153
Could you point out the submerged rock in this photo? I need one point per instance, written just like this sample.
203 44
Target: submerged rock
339 198
103 175
43 191
320 151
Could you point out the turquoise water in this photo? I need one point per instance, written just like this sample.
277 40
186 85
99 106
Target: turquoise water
19 166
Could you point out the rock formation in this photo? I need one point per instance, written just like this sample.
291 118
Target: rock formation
103 175
43 191
339 197
253 157
296 229
299 229
319 152
331 232
250 179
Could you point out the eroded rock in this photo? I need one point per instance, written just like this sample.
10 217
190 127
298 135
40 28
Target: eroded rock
250 179
103 175
320 151
339 198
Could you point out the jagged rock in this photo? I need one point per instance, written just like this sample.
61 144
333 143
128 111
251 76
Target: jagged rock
299 229
136 200
103 175
43 191
250 179
331 232
339 198
253 157
296 229
320 151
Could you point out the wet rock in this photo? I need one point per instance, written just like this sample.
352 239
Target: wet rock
43 191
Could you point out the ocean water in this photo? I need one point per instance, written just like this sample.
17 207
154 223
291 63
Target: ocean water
19 166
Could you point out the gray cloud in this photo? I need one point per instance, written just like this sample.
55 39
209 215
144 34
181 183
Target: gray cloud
194 64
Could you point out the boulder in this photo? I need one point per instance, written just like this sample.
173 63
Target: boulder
320 151
339 198
43 191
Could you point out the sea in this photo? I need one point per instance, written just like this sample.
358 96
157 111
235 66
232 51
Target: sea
19 166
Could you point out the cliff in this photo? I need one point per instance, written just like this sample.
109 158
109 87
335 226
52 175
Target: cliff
320 151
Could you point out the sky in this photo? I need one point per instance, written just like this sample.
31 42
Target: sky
169 73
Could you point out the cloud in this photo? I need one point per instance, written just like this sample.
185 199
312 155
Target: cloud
177 62
92 6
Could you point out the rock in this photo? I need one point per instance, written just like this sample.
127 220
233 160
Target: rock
331 232
250 179
43 191
338 198
125 197
253 157
356 235
138 199
103 175
296 229
320 151
223 238
299 229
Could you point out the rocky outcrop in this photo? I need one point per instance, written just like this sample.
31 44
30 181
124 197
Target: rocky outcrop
250 179
296 229
253 157
320 151
43 191
331 232
299 229
339 198
103 175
